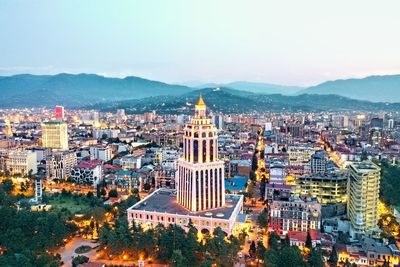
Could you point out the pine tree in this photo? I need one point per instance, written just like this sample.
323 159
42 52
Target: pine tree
308 241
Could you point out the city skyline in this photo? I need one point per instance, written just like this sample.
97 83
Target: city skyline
177 42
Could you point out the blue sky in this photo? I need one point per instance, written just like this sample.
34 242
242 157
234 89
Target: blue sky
286 42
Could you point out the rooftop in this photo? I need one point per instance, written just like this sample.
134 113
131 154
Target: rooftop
364 166
164 200
236 183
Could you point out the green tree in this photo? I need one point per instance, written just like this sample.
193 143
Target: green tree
308 241
7 185
287 240
286 256
113 193
273 241
262 220
315 258
177 259
79 260
260 250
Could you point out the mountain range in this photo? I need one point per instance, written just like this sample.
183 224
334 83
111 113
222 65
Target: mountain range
91 90
373 88
227 100
254 87
75 90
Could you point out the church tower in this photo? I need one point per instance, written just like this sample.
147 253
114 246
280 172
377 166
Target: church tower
200 184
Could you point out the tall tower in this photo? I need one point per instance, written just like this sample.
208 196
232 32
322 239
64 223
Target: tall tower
200 184
363 191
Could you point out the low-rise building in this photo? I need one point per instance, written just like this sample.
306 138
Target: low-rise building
88 172
59 164
294 214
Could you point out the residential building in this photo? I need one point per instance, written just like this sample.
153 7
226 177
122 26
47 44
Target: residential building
101 153
59 164
300 155
88 172
327 188
21 162
363 190
294 214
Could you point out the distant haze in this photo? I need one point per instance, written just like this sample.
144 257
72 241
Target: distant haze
286 42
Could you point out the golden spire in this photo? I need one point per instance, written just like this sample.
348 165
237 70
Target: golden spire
200 102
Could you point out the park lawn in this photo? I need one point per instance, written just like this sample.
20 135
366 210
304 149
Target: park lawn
71 204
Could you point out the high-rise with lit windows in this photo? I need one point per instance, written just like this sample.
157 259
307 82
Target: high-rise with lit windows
201 174
55 135
364 184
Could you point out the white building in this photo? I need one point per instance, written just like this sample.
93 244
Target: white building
108 133
277 174
99 152
19 162
131 162
88 172
200 196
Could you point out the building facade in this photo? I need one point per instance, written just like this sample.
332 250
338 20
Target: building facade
88 172
295 214
19 162
59 164
326 187
55 135
363 186
200 178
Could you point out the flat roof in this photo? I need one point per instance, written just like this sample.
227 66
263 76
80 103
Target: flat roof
164 201
364 166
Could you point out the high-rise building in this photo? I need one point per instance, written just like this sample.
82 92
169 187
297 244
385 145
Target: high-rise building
99 152
200 196
295 130
390 124
218 121
59 112
55 135
363 190
201 175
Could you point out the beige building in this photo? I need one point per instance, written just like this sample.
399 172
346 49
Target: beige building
363 188
55 135
19 162
300 156
326 187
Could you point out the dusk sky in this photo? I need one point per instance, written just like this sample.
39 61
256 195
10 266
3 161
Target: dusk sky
284 42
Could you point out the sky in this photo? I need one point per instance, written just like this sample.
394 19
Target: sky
285 42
